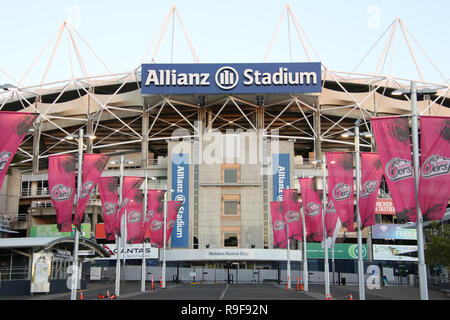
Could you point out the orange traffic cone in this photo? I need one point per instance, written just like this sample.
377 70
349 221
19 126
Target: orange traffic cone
330 297
351 297
81 295
301 284
152 284
107 294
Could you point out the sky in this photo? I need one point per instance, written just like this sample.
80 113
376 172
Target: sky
230 31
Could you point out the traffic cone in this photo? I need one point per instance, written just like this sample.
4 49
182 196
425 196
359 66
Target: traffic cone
351 297
81 295
107 294
152 284
160 282
330 297
297 284
301 284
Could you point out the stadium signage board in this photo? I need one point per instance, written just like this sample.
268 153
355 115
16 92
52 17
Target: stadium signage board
209 78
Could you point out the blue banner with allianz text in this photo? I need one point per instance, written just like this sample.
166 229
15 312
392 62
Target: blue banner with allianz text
180 187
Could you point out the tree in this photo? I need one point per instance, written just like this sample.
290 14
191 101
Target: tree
438 244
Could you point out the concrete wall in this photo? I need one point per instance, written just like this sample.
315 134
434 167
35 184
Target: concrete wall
9 194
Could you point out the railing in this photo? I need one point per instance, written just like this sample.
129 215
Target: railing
49 203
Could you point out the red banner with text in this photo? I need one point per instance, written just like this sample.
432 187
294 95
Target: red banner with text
14 126
278 224
434 185
61 182
394 147
371 173
108 188
312 210
340 186
93 166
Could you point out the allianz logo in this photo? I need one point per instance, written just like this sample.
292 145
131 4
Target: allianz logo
228 77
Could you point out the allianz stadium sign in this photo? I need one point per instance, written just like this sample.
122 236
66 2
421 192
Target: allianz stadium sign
241 78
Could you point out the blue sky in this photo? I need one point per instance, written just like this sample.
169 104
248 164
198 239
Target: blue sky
119 32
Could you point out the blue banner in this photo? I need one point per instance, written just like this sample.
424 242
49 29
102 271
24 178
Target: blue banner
209 78
393 231
180 187
281 174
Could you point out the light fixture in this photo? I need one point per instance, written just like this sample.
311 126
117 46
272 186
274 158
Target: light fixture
9 87
347 134
91 136
70 137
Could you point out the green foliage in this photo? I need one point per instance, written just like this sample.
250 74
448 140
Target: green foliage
438 245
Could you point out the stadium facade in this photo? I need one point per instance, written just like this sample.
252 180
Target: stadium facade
242 147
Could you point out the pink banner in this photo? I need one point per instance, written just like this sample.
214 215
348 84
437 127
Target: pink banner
340 186
394 148
331 218
291 213
108 188
434 185
278 224
14 126
128 184
371 173
134 212
61 181
93 166
172 212
312 210
155 205
156 229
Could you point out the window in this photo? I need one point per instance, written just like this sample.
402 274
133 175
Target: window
230 239
230 175
230 207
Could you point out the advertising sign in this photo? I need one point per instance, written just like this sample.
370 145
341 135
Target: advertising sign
51 230
281 174
210 78
41 270
393 252
132 251
393 231
385 206
180 187
341 251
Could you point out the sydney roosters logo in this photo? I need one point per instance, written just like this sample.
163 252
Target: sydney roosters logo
278 225
110 208
170 224
398 169
312 209
435 165
134 216
61 192
4 158
292 216
330 207
368 188
156 225
87 186
341 191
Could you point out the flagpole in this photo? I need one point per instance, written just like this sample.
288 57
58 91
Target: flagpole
73 292
420 240
288 270
117 288
305 261
325 244
362 295
305 257
144 216
164 241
